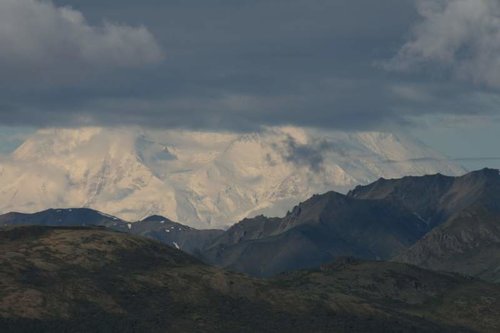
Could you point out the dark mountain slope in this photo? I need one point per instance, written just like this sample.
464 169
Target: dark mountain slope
317 231
175 234
468 243
64 217
465 212
388 219
436 198
95 280
156 227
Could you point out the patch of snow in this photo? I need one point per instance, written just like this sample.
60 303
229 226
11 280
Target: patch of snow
420 217
129 225
202 179
176 246
107 215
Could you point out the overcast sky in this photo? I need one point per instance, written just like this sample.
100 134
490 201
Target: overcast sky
431 67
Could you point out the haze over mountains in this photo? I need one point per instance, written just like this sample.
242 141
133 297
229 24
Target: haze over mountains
201 179
435 221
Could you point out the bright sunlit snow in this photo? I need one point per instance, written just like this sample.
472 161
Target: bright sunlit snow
198 178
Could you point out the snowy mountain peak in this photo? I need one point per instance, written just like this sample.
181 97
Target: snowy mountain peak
201 179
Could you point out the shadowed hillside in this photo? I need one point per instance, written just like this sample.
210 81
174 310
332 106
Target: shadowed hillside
464 216
82 280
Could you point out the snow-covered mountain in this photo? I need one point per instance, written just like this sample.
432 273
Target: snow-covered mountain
201 179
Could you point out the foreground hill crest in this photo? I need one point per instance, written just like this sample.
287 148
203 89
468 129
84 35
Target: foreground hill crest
95 280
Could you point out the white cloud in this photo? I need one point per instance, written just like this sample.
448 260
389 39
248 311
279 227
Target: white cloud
460 36
38 36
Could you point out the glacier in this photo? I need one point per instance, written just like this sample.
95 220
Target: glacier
201 179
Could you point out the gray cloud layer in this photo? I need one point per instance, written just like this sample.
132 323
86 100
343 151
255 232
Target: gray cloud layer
462 36
39 39
231 64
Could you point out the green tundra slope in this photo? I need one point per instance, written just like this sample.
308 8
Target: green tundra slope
95 280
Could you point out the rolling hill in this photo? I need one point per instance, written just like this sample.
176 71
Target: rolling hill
82 279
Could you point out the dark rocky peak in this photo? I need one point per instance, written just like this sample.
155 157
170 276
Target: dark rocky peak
154 218
313 209
60 217
480 179
158 222
485 173
249 229
436 197
478 188
430 185
399 188
319 202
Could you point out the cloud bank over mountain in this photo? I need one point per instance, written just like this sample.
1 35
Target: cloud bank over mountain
204 179
461 36
39 39
240 65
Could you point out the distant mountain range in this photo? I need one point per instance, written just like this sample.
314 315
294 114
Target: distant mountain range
436 222
317 231
157 227
81 279
201 179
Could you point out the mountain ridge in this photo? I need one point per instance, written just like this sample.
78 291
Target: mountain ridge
207 180
436 222
155 227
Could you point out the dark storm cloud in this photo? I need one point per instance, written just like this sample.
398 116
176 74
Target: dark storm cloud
460 37
308 155
232 65
38 38
311 154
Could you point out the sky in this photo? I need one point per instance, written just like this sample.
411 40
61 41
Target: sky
426 67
